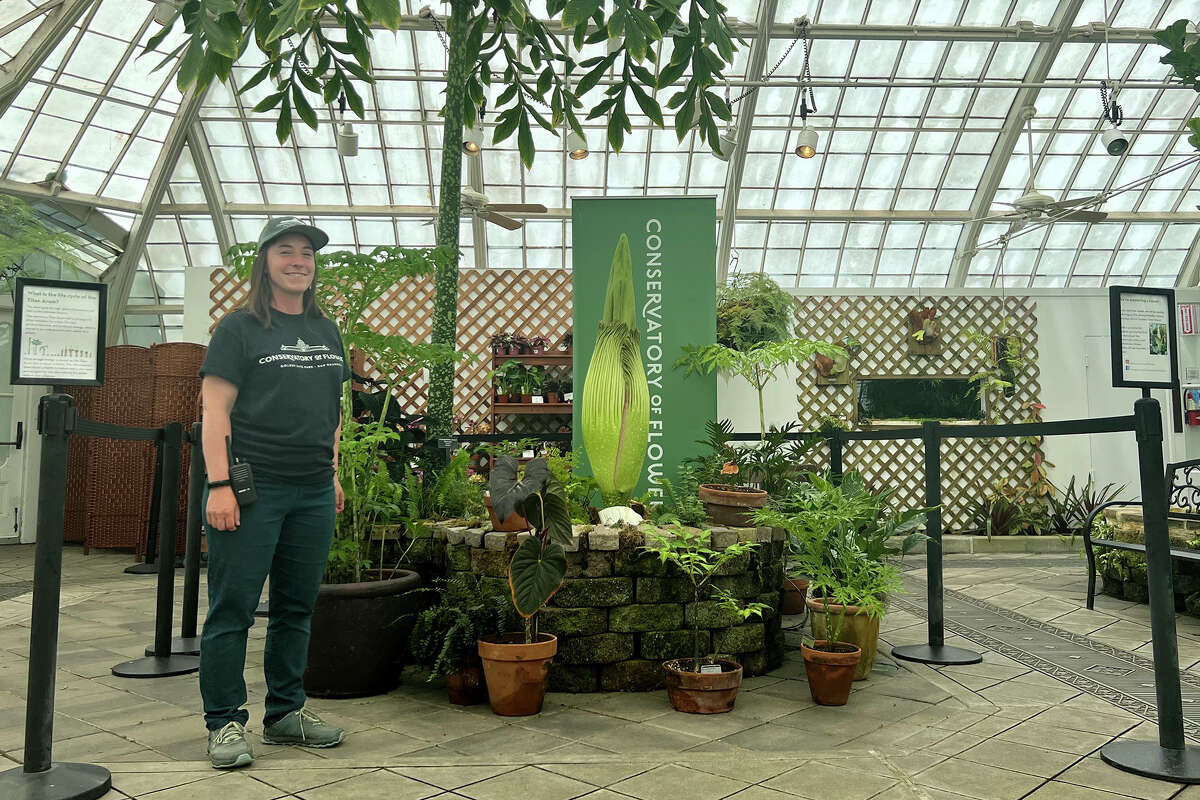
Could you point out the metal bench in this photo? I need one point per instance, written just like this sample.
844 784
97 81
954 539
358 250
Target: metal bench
1183 491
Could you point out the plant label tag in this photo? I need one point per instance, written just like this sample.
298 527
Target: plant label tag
708 669
527 454
537 398
568 397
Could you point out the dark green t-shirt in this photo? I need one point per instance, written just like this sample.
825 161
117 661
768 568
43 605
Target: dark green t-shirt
289 380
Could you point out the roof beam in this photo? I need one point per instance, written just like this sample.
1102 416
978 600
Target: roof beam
32 191
20 68
756 62
1039 68
1022 31
214 196
743 214
119 277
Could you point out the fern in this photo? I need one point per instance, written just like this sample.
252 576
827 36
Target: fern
444 637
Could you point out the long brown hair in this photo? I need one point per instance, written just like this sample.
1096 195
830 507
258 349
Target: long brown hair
258 301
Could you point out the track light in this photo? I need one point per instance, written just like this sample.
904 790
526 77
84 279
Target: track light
1115 141
347 141
165 11
576 146
806 142
473 138
727 142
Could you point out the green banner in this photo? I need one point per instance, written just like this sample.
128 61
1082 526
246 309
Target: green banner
673 243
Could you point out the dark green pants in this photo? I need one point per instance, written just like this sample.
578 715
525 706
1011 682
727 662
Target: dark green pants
285 534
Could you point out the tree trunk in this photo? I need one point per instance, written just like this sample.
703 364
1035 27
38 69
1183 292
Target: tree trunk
445 294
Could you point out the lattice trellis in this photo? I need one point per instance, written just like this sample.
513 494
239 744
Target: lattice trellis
523 302
970 467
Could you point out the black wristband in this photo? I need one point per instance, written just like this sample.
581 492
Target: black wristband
218 484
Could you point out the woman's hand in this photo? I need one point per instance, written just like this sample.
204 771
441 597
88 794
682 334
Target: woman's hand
223 513
339 497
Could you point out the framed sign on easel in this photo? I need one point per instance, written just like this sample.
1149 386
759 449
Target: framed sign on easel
58 332
1143 337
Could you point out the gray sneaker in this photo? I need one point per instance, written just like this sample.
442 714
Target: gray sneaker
228 748
304 728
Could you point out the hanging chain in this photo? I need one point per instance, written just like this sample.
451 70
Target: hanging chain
808 105
774 69
441 32
1111 111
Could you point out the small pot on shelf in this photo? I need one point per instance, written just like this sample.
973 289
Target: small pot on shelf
514 398
551 397
526 398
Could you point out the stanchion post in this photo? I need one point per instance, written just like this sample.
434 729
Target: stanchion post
191 554
835 455
935 651
149 564
1170 759
40 777
163 663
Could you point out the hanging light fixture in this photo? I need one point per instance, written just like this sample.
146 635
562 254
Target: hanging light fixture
576 146
472 142
728 141
806 137
1115 141
345 138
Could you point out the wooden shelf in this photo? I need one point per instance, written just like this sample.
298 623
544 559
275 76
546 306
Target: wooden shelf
532 408
545 359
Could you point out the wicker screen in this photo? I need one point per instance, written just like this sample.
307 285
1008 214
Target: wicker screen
75 509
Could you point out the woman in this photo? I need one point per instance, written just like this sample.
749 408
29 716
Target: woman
272 383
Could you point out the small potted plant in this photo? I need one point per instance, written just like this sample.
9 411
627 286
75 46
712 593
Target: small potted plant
703 685
538 345
550 391
564 344
566 390
522 345
535 378
500 344
515 666
510 380
445 636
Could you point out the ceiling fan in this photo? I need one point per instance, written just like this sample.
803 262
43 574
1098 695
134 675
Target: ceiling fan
476 204
1035 206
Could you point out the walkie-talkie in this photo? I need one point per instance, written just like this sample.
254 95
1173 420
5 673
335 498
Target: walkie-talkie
241 479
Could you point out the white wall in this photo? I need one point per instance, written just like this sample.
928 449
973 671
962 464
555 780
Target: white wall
197 304
1066 318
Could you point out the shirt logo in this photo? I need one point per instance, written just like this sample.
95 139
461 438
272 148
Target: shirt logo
303 347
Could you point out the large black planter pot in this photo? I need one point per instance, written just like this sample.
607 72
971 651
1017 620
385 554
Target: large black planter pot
360 636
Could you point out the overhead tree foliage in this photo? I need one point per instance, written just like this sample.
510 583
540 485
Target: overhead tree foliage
313 51
22 234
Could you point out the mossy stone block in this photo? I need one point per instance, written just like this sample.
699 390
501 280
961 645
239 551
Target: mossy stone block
589 564
573 621
573 678
634 675
664 590
493 563
741 586
707 614
458 557
603 648
754 663
594 593
1135 592
735 565
771 599
495 586
650 617
665 645
639 563
740 639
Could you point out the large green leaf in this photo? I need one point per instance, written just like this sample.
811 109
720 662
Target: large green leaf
549 512
509 494
535 573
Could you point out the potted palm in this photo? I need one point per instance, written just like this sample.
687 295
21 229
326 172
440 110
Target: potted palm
702 685
445 636
515 665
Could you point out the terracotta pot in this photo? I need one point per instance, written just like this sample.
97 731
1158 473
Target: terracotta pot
526 398
700 692
513 522
830 674
551 397
516 672
466 687
857 629
731 505
514 398
795 592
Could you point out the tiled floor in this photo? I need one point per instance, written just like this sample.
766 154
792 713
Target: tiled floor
987 731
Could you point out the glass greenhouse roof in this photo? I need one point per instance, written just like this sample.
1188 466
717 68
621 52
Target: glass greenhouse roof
922 108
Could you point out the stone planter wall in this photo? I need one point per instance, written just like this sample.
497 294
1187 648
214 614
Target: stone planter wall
1125 575
620 613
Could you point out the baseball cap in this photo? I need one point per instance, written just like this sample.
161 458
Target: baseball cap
280 225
